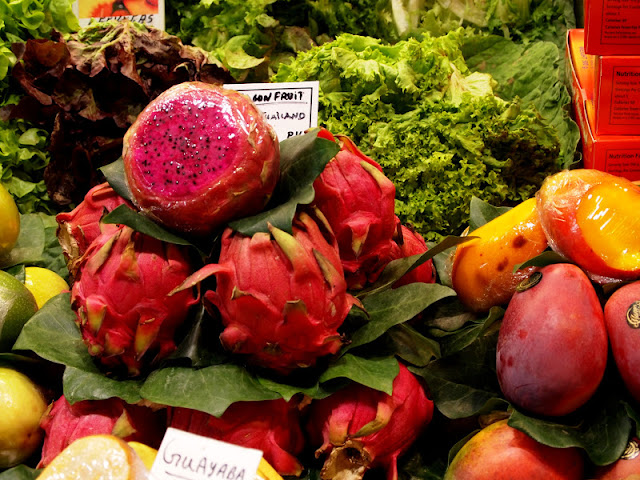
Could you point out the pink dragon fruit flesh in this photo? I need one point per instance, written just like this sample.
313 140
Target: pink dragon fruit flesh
281 297
358 201
121 300
359 428
272 426
81 226
200 155
64 423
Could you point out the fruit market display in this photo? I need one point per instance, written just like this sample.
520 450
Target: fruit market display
426 286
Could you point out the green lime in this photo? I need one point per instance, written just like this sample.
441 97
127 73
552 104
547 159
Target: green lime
10 221
17 305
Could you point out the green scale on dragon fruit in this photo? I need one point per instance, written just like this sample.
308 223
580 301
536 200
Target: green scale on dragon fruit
200 155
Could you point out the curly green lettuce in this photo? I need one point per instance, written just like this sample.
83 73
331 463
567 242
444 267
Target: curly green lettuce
438 129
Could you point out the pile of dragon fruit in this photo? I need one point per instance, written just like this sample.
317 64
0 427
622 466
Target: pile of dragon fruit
198 158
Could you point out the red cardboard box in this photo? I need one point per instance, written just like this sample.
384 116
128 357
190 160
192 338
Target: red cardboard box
615 154
612 27
617 95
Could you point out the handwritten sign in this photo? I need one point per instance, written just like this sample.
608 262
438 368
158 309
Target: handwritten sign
291 108
148 12
186 456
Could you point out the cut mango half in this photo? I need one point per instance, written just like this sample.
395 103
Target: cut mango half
96 457
609 219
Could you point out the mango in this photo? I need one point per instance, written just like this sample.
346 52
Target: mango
590 217
482 271
552 344
500 452
622 319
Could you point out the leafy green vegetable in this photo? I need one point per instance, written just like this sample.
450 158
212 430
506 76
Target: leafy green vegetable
88 87
23 159
436 127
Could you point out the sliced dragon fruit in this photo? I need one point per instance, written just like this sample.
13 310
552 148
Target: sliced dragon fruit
200 155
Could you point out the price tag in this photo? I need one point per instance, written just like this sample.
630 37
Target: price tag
186 456
291 108
148 12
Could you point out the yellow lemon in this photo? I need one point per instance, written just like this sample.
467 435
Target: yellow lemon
22 405
44 284
146 453
9 221
17 305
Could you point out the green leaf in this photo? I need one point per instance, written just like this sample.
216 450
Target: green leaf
393 307
603 433
114 173
465 384
124 215
20 472
211 389
302 159
465 336
53 335
482 212
37 245
287 391
413 347
399 267
81 385
376 373
548 257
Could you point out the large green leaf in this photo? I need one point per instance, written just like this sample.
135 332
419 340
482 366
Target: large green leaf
393 307
114 173
482 212
20 472
465 384
376 373
302 159
603 433
82 385
211 389
53 335
37 245
124 215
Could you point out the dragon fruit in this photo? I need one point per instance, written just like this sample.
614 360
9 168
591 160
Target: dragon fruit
81 226
121 299
200 155
64 423
358 201
412 243
281 297
272 426
361 428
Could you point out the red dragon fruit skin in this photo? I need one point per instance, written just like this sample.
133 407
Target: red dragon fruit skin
412 243
360 428
81 226
64 423
121 300
200 155
272 426
281 297
358 201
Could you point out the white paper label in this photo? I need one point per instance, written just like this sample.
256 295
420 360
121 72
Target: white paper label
186 456
291 108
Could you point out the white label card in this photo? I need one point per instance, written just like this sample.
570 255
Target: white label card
186 456
291 108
